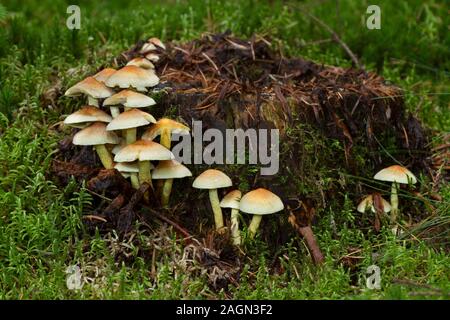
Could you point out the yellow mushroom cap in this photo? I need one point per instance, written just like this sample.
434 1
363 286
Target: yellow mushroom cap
87 114
143 150
95 134
212 179
104 74
90 87
132 76
170 169
261 202
141 62
367 202
231 200
397 174
165 124
130 119
129 99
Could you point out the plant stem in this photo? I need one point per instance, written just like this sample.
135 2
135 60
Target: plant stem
130 135
214 199
134 180
104 155
92 101
235 235
165 193
254 225
115 111
394 202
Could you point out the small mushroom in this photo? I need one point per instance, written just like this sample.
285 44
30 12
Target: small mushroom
367 203
165 128
153 57
129 121
169 170
131 169
97 136
129 99
103 75
147 47
92 88
259 202
86 115
132 76
141 63
144 151
395 174
157 42
231 200
212 180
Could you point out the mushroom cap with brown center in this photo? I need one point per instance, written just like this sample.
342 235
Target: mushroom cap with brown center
103 75
141 62
367 202
165 124
170 169
132 76
129 99
231 200
95 134
397 174
261 202
87 114
212 179
143 150
130 119
90 87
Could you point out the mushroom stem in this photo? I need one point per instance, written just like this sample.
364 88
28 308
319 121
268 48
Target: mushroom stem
166 190
394 202
235 235
134 180
115 111
166 138
254 225
92 101
130 135
105 156
145 175
214 199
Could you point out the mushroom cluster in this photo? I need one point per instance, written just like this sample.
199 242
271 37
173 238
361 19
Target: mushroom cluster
114 116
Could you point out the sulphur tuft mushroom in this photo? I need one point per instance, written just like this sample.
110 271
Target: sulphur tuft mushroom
97 136
212 180
169 170
395 174
144 151
153 57
86 115
156 42
92 88
129 99
130 169
368 204
129 121
231 200
259 202
132 76
141 63
165 128
103 75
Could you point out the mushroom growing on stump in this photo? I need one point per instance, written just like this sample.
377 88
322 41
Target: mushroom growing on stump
132 169
129 121
212 180
97 136
141 63
144 151
132 76
103 75
259 202
92 88
86 115
169 170
395 174
231 200
129 99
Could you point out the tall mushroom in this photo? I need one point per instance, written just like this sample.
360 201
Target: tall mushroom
259 202
86 115
132 76
212 180
169 170
144 151
231 200
97 136
129 121
129 99
92 88
395 174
